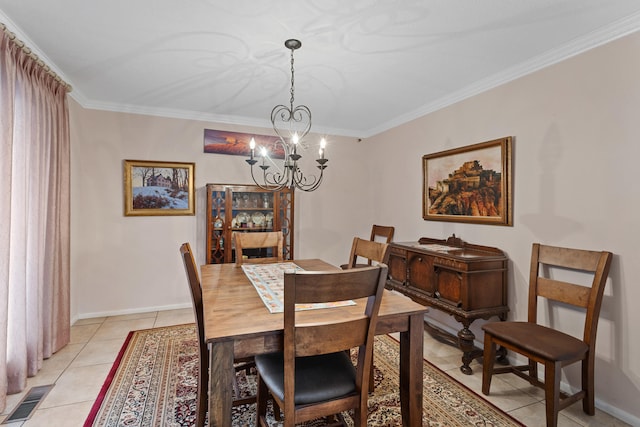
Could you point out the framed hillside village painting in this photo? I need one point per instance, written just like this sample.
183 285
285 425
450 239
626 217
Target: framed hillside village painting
469 184
158 188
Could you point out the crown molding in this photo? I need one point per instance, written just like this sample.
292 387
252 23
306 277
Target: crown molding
575 47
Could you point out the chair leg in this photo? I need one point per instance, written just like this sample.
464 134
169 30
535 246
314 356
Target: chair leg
533 372
236 388
201 409
487 363
276 411
202 401
372 386
588 386
289 415
552 374
360 414
261 402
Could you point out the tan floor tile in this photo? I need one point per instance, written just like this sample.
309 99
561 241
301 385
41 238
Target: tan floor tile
89 321
501 394
71 415
132 316
174 317
177 311
534 416
63 358
96 352
601 418
77 385
120 330
83 333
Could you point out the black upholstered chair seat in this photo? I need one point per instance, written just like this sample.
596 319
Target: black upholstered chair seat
318 378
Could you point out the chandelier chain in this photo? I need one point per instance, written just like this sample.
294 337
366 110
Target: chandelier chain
292 81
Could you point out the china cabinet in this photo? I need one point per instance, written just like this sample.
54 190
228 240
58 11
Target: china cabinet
246 208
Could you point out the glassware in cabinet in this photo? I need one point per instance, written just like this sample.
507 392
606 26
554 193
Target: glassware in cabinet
245 208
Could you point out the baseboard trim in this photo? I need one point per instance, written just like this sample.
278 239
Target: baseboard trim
133 311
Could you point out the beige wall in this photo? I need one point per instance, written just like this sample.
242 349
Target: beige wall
128 264
575 127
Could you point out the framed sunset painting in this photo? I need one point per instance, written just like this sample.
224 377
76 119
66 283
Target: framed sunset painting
237 143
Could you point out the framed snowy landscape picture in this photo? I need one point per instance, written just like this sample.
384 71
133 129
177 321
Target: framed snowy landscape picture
158 188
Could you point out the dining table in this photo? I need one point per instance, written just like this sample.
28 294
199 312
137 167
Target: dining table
237 324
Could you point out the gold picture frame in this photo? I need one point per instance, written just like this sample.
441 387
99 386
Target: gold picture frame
157 188
469 184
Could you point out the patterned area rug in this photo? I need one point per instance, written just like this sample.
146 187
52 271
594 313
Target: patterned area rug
153 383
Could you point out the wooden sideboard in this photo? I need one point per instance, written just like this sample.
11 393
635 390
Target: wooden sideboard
466 281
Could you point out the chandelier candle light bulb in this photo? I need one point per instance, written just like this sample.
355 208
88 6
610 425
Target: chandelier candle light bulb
252 145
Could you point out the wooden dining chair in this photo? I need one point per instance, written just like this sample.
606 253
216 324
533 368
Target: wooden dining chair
369 250
382 233
203 349
550 346
314 377
262 240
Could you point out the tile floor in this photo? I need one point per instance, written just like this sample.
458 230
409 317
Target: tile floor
80 369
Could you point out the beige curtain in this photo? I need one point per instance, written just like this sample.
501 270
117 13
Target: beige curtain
34 216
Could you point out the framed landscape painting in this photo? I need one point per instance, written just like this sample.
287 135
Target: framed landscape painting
158 188
469 184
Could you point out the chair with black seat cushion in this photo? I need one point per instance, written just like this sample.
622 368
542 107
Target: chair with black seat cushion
314 377
549 346
262 240
372 251
203 359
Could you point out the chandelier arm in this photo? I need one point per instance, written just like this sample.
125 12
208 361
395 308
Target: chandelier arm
266 185
310 187
309 182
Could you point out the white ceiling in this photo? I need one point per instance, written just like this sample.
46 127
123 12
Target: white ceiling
365 65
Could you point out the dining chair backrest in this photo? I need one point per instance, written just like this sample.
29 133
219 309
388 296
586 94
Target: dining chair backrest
302 339
262 240
382 233
311 287
203 352
370 250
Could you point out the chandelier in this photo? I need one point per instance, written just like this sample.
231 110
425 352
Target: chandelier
291 125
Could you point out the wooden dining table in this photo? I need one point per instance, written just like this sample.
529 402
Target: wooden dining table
237 324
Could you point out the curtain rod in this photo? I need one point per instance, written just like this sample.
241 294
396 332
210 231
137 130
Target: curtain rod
35 57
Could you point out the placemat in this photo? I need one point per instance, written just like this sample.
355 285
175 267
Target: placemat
268 279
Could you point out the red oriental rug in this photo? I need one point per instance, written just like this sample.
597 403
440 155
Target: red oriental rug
153 383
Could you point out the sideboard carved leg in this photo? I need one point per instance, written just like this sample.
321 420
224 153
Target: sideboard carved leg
466 342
